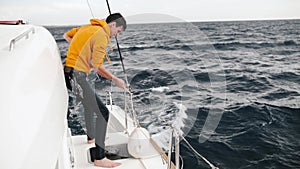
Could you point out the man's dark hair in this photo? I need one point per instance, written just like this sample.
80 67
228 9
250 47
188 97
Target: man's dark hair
118 18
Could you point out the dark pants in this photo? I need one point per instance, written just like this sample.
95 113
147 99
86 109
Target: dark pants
68 72
68 77
92 104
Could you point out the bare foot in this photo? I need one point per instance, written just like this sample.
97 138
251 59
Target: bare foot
106 163
91 141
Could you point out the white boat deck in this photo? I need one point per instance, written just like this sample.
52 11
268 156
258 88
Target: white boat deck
115 136
81 153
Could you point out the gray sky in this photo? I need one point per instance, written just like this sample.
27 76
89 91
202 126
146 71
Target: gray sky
70 12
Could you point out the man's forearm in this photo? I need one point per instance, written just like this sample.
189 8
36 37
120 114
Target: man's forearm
105 73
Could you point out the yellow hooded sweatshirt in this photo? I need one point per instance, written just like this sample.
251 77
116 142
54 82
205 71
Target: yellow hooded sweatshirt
88 46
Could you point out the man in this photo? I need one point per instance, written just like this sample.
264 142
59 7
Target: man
87 51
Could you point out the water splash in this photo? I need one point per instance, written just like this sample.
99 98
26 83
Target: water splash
178 123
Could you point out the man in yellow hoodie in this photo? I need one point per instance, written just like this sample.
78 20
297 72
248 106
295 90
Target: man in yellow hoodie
87 51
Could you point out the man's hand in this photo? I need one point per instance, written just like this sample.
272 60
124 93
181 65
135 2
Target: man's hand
119 82
102 71
67 38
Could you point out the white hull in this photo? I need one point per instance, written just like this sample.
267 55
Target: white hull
33 100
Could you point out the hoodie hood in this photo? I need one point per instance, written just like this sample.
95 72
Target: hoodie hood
98 22
104 25
101 23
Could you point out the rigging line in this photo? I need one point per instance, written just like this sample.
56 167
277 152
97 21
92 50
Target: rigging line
203 158
120 54
108 7
90 8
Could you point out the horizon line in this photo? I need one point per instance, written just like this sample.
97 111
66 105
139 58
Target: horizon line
191 21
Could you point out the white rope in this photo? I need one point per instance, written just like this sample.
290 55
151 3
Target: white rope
191 147
135 119
126 114
181 162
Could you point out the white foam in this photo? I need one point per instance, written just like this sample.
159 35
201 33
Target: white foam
160 89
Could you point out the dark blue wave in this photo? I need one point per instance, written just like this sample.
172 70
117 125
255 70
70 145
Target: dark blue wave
59 40
236 45
247 133
163 47
286 76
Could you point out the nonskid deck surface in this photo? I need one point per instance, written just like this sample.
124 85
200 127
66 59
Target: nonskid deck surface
81 153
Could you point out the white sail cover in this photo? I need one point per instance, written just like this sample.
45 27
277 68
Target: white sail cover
139 144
